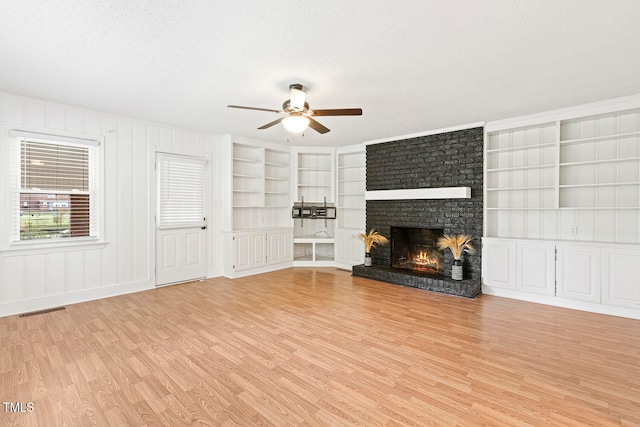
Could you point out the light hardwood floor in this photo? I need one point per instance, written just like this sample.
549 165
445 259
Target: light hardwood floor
318 347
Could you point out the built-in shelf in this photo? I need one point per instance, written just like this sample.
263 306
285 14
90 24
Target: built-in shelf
521 209
595 162
244 175
600 138
314 249
599 208
525 147
517 168
599 184
243 160
521 188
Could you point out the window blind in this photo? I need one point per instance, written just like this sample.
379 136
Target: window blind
58 189
182 191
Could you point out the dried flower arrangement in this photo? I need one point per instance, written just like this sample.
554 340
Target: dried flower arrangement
372 239
458 244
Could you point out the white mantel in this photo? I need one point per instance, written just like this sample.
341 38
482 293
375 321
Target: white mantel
420 193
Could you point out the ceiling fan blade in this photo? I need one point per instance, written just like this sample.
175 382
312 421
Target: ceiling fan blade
273 123
317 126
338 112
254 108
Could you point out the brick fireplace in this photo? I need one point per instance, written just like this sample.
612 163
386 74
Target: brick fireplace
452 159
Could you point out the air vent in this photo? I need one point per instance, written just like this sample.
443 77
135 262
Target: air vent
35 313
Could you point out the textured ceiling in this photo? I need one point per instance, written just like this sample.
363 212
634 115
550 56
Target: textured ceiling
412 66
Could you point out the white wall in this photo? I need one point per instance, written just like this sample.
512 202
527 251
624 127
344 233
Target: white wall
35 279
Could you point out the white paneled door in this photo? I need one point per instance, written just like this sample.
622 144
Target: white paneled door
181 225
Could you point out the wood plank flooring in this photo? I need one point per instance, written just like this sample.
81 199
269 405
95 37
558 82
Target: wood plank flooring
306 347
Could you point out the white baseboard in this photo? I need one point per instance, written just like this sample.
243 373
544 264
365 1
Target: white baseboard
563 302
341 266
258 270
40 303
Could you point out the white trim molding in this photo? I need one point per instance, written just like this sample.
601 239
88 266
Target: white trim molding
426 133
420 193
592 109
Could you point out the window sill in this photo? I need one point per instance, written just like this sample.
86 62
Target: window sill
54 246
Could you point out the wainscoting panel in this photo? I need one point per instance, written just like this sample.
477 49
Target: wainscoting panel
35 279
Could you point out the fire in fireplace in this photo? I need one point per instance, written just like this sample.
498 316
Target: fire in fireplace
415 249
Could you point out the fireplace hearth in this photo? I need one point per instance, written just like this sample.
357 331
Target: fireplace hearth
415 249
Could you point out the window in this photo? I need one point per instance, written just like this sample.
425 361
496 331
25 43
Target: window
57 191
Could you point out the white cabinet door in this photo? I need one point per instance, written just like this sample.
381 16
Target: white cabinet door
253 249
280 246
499 263
536 267
341 247
274 243
621 277
356 247
241 245
349 249
578 272
257 251
286 240
250 250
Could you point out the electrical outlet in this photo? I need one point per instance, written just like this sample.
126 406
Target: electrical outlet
574 229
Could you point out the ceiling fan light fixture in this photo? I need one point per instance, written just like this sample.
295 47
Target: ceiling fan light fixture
297 97
295 124
297 114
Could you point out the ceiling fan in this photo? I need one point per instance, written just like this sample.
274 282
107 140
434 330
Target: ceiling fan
298 115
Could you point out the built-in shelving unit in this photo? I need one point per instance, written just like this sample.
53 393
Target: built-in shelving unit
314 184
258 236
248 176
261 187
277 179
351 205
314 176
573 179
600 166
562 208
